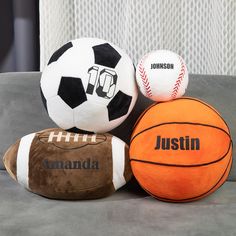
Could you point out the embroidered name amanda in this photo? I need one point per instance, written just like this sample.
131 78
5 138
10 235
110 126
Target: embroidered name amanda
85 164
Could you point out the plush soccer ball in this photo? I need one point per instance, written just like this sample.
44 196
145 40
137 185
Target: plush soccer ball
89 84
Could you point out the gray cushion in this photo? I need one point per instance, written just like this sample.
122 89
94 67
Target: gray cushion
22 111
127 212
21 108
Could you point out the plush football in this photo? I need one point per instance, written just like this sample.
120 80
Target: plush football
63 165
89 85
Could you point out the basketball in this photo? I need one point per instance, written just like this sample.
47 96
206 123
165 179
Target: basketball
181 150
162 75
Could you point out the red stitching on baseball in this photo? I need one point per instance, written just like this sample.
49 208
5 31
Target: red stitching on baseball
179 80
144 78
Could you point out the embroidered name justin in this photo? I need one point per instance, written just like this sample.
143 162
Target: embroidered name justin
180 143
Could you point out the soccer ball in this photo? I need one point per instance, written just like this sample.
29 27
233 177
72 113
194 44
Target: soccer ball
89 85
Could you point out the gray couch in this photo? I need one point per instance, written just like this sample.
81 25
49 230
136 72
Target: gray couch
130 211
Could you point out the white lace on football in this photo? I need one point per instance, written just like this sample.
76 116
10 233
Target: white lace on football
68 137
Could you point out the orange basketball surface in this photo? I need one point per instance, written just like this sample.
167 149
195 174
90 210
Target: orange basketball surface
181 150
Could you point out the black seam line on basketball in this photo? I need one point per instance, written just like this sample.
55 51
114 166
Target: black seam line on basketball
202 195
179 123
145 111
142 114
182 98
203 103
179 165
68 149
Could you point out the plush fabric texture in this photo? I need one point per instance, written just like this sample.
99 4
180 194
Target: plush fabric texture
181 150
65 165
129 211
90 86
22 110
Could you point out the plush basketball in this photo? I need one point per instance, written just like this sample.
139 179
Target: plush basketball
62 165
89 85
181 150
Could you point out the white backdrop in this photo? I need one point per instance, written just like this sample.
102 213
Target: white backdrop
203 32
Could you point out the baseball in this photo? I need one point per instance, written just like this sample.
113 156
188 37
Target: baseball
162 75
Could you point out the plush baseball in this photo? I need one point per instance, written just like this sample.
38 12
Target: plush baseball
89 84
63 165
162 75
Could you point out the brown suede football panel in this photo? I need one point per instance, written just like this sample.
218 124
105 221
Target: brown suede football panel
101 192
9 159
70 170
127 172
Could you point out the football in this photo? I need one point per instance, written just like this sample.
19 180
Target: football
89 85
63 165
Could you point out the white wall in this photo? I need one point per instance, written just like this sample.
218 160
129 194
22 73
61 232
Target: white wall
202 31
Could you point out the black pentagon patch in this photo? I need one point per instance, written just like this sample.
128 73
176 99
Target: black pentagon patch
119 105
43 99
76 130
106 55
71 91
58 53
